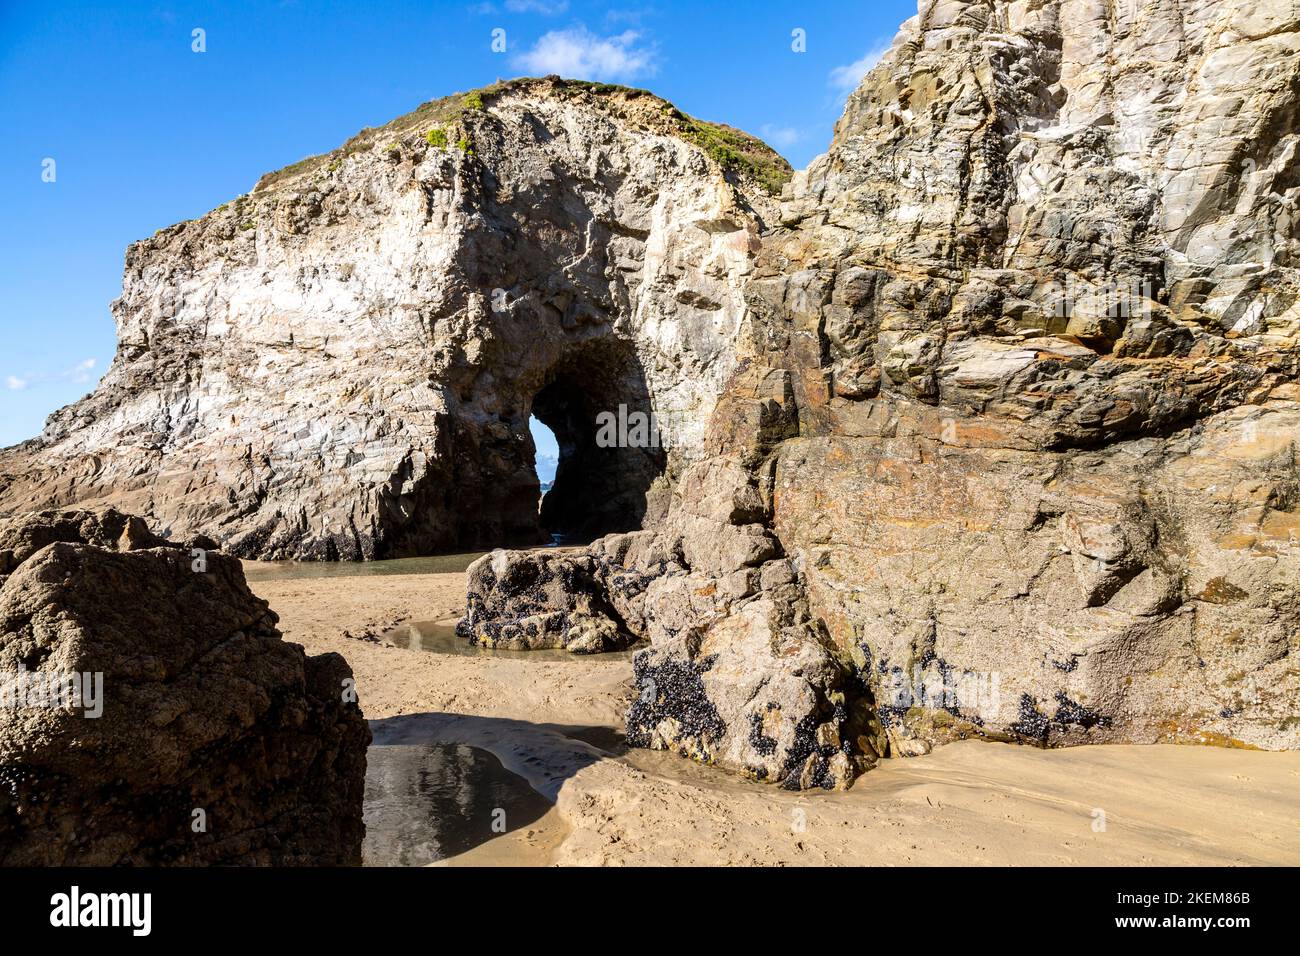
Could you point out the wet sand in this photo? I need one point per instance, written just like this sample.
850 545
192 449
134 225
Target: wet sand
558 723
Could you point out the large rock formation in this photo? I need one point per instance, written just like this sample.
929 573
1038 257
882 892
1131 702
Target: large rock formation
151 714
1034 325
342 363
1010 449
989 429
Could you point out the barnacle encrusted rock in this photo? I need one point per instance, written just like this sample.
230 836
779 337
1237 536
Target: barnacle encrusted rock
195 735
521 600
737 673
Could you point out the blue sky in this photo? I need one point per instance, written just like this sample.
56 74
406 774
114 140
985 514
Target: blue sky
144 132
548 450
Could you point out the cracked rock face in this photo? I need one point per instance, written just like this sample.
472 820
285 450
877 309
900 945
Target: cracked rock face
1035 315
1036 309
214 741
341 364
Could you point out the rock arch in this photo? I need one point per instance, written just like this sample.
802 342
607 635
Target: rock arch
600 487
341 364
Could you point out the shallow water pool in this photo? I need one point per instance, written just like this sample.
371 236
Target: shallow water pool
439 637
295 570
429 802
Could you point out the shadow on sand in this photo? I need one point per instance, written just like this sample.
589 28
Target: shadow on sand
438 785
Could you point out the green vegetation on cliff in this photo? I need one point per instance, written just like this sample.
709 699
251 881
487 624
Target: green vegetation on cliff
735 151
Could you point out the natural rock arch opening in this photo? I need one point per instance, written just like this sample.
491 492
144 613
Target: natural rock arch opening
483 489
546 453
596 402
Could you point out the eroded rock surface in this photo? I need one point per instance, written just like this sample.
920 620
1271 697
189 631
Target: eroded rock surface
215 742
988 430
341 364
1036 309
1017 413
521 600
738 673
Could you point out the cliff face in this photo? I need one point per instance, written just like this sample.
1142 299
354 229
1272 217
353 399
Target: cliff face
342 363
1011 450
1032 322
994 433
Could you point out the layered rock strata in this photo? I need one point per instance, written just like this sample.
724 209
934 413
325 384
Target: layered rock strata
342 364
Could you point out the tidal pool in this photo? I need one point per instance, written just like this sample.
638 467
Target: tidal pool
439 637
294 570
429 802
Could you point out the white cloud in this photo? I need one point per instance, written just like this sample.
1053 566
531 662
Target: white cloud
80 373
845 79
580 54
537 6
780 136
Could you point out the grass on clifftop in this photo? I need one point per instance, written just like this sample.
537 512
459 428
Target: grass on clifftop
733 150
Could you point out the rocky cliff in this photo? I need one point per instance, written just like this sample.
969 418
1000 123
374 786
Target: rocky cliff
988 429
1011 449
342 363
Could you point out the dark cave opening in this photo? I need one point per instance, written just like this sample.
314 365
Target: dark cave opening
598 407
481 490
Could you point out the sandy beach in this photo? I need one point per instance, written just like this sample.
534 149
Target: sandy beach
558 725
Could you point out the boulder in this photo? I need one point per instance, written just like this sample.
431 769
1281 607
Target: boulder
737 673
523 601
151 714
757 690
